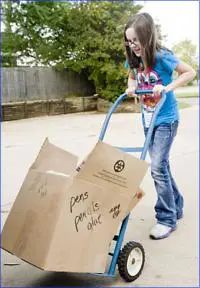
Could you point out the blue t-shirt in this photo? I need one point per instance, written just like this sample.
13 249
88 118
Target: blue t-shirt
161 73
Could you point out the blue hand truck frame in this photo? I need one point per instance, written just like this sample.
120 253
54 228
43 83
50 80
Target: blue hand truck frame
119 238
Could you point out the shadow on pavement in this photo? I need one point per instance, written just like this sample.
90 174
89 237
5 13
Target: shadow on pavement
63 279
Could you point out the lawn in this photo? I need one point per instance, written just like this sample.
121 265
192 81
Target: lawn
182 105
187 94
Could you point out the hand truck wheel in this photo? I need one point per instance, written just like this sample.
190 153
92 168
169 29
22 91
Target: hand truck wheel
131 261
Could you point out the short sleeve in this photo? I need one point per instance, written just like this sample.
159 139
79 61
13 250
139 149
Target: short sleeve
169 61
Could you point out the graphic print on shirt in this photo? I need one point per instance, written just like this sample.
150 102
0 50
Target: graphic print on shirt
146 81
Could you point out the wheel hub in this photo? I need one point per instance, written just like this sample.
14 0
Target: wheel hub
133 261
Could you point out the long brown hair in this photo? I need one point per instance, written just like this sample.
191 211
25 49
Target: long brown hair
145 29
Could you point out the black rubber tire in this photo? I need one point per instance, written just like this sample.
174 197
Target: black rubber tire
123 261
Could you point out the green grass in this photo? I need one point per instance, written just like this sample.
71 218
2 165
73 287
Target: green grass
192 94
182 105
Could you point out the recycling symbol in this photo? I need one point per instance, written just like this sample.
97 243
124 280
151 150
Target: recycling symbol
119 166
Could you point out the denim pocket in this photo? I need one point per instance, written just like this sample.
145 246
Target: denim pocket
174 128
163 132
168 129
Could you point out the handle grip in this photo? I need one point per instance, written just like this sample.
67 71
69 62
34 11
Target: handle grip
143 91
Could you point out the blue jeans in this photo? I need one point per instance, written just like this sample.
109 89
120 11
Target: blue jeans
169 205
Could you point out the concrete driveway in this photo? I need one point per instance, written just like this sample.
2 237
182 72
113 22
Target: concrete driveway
172 262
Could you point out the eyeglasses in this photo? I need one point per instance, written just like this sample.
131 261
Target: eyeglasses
131 42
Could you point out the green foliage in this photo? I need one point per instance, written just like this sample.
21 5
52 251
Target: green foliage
81 36
187 52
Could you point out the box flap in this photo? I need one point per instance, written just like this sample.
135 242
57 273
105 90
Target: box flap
110 167
53 158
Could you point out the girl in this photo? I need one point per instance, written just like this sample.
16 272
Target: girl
151 67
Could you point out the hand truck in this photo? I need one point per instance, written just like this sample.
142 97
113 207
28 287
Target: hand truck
131 257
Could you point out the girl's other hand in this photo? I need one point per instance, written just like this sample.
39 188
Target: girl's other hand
130 91
157 89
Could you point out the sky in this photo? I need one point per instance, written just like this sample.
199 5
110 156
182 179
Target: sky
179 20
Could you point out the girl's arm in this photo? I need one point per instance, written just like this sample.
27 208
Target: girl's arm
131 84
186 74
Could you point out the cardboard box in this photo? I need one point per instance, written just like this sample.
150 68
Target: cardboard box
64 220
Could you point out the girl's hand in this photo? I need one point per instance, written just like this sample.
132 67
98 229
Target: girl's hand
130 91
157 89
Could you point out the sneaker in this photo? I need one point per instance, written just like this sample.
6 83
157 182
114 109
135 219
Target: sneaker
160 231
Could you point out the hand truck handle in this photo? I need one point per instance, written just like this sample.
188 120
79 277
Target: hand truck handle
147 91
142 91
120 99
109 114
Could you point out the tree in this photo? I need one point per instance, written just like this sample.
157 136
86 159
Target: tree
8 47
27 27
81 36
187 53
